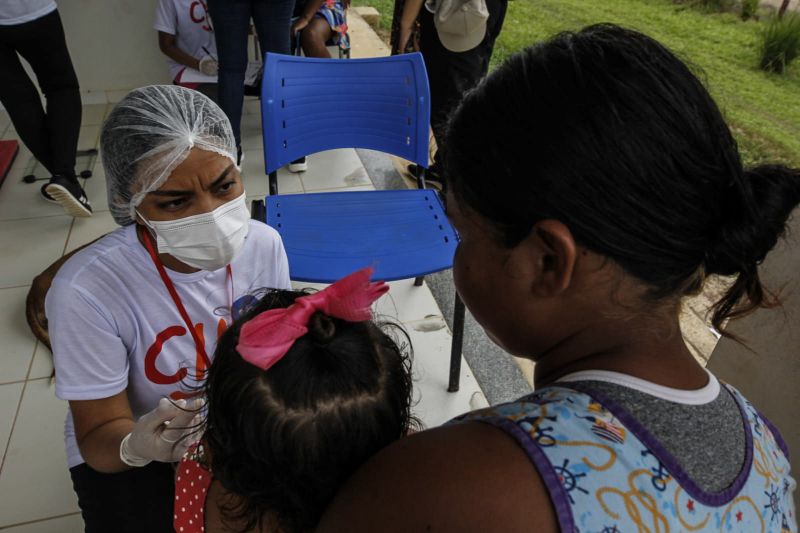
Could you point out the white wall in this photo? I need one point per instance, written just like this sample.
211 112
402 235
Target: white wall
113 46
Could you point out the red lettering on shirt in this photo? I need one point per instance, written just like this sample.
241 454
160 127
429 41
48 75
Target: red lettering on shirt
198 12
150 370
202 362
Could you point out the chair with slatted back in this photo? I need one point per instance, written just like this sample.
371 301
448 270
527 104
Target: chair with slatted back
310 105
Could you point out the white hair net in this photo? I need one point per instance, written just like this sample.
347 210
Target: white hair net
149 133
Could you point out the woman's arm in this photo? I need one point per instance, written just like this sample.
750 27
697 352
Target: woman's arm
163 434
462 478
312 6
410 14
100 426
166 42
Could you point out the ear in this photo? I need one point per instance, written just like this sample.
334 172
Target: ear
546 257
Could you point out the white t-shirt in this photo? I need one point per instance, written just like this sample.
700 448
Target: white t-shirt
114 326
21 11
189 22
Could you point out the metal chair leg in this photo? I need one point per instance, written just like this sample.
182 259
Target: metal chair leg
273 183
459 312
418 281
420 177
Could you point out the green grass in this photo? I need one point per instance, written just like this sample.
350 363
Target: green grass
780 42
384 7
763 109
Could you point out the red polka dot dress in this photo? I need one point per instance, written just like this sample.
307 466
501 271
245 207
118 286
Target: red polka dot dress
191 487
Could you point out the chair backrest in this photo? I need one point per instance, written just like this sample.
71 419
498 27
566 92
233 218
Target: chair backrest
309 105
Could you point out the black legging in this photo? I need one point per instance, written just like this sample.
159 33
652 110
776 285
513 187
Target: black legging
52 136
139 500
451 74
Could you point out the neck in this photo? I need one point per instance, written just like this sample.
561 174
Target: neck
653 351
167 260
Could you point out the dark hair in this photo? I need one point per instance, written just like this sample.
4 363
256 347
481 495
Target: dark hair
284 440
609 132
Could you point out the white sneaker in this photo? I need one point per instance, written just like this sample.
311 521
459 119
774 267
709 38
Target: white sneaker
298 165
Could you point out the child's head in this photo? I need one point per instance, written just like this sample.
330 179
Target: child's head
283 440
602 144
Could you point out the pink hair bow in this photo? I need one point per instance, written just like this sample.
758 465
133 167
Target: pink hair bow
264 340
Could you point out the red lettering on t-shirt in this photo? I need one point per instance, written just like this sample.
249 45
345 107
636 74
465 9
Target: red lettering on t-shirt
198 12
202 362
150 370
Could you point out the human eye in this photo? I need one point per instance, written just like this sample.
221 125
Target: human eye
226 187
174 204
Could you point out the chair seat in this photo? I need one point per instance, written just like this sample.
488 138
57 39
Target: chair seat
402 234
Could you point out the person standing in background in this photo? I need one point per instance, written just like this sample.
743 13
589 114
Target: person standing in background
231 18
321 21
456 39
186 37
32 29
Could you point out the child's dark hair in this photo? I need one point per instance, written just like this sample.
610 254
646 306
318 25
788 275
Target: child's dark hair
610 133
284 440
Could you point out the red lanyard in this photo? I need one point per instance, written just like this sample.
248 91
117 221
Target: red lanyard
201 349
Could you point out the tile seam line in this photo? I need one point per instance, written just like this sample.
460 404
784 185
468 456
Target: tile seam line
2 220
13 426
42 378
39 520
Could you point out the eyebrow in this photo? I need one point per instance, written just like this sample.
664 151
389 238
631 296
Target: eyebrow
174 193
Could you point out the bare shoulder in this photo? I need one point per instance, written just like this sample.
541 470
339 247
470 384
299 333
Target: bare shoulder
467 477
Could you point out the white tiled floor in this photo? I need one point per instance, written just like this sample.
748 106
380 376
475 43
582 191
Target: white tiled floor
42 365
34 479
18 343
34 482
9 401
65 524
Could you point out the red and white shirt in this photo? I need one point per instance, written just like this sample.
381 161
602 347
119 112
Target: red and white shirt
189 22
113 325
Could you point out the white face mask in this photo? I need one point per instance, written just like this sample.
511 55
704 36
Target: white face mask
207 241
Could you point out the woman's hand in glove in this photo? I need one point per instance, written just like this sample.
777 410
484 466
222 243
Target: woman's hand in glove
209 66
158 435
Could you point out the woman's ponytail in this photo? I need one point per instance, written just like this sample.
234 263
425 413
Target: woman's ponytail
754 224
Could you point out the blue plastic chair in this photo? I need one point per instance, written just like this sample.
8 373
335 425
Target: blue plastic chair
309 105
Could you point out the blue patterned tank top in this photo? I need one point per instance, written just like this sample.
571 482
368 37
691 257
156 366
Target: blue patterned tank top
606 473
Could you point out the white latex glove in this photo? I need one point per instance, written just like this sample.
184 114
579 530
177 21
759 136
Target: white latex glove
209 66
153 437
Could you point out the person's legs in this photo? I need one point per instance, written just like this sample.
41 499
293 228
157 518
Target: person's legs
451 74
314 36
134 501
273 22
19 96
46 51
52 136
210 90
231 19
